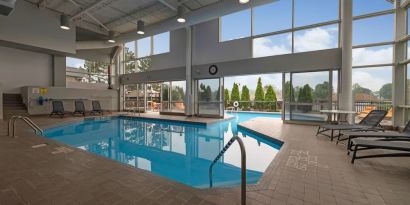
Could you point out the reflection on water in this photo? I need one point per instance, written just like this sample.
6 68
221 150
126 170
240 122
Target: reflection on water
179 151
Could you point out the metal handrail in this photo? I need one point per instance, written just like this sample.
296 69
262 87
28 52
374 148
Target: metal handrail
28 121
243 165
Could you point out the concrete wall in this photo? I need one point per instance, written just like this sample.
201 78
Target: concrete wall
1 101
36 29
177 55
297 62
208 49
108 99
20 68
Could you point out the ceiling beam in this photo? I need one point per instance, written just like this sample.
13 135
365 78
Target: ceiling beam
89 15
168 5
96 5
201 15
135 15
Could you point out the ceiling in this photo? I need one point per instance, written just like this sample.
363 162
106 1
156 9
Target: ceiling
94 18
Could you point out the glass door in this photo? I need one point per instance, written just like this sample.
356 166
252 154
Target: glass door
209 97
306 93
134 97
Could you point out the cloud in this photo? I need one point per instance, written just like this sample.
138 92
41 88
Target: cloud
316 39
372 55
265 46
372 78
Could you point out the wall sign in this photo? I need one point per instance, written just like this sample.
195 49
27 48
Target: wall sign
213 69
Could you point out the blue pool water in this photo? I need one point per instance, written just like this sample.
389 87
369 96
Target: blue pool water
175 150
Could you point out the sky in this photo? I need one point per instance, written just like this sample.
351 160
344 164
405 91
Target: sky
278 16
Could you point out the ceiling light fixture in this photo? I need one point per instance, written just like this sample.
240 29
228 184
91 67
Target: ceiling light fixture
111 35
243 1
140 27
64 22
181 18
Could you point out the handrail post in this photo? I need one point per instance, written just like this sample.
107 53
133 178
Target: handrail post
243 166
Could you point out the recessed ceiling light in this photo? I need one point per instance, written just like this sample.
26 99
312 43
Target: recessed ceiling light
243 1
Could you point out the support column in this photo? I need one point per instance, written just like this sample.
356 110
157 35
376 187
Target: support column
346 96
399 70
59 71
189 99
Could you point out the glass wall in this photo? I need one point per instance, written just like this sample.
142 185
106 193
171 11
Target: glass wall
137 54
85 71
210 97
173 96
306 93
134 97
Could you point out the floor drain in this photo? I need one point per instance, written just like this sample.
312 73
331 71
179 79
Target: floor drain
39 145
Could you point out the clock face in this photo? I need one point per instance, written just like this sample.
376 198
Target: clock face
213 69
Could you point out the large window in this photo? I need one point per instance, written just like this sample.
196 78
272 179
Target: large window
272 45
361 7
291 26
235 26
137 54
373 30
84 71
272 17
161 43
375 55
309 12
317 38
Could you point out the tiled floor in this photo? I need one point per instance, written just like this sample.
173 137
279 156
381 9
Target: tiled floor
307 170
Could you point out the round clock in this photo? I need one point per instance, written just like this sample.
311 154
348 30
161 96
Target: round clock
213 69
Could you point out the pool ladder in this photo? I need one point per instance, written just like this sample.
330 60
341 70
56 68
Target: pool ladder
243 165
11 128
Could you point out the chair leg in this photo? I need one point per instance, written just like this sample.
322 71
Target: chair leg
318 129
354 154
331 135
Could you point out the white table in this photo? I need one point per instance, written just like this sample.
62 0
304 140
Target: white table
337 116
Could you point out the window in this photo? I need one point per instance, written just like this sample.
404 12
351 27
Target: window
372 85
309 12
272 17
84 71
144 47
178 96
361 7
272 45
235 26
373 30
373 55
75 62
161 43
318 38
129 50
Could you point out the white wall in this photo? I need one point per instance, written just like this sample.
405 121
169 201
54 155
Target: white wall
208 49
108 99
176 57
20 68
34 28
1 102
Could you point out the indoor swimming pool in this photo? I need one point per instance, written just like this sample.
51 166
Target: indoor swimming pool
178 151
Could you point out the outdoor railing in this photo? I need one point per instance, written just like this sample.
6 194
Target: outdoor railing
381 105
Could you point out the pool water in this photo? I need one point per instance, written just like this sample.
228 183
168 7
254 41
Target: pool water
178 151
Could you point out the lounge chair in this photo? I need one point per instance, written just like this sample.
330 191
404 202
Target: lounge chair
79 108
389 114
402 144
388 135
58 108
370 123
96 108
366 111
